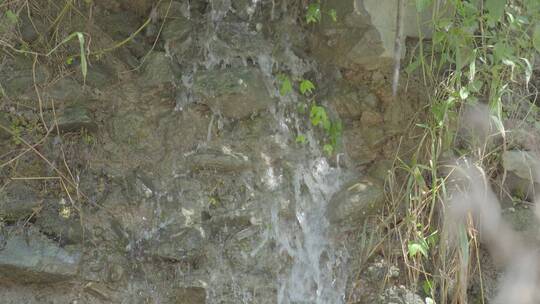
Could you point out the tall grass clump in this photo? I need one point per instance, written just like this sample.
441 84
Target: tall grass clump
481 54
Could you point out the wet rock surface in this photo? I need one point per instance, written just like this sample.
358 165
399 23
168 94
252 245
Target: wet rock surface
522 163
32 258
189 295
18 200
75 118
356 202
177 176
235 93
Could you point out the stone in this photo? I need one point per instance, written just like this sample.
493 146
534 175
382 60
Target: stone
76 117
189 295
30 29
173 10
183 245
523 164
524 221
236 92
139 184
17 76
59 219
356 202
519 188
33 258
131 128
158 69
357 147
176 28
244 9
65 89
218 161
371 119
381 169
100 76
18 200
399 295
351 102
238 40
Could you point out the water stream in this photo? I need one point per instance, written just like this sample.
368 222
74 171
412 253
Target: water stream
314 274
311 269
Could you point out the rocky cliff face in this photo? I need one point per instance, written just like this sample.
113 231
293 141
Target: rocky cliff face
171 173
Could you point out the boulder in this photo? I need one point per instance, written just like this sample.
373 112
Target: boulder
139 184
177 26
523 164
236 39
351 102
364 32
399 295
356 202
236 92
76 117
33 258
65 89
18 200
99 75
158 69
357 145
184 244
17 76
59 219
524 221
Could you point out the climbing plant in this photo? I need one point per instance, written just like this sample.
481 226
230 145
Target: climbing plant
314 13
318 116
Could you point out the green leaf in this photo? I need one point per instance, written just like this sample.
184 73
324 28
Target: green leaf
439 111
472 70
306 86
427 286
502 51
415 248
335 132
421 5
313 14
464 55
536 37
463 93
475 86
528 70
285 84
328 149
333 14
84 64
495 9
412 66
318 117
301 139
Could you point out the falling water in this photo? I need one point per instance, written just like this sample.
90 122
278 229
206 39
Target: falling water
313 276
310 266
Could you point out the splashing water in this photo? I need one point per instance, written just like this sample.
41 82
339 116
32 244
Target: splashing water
313 275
